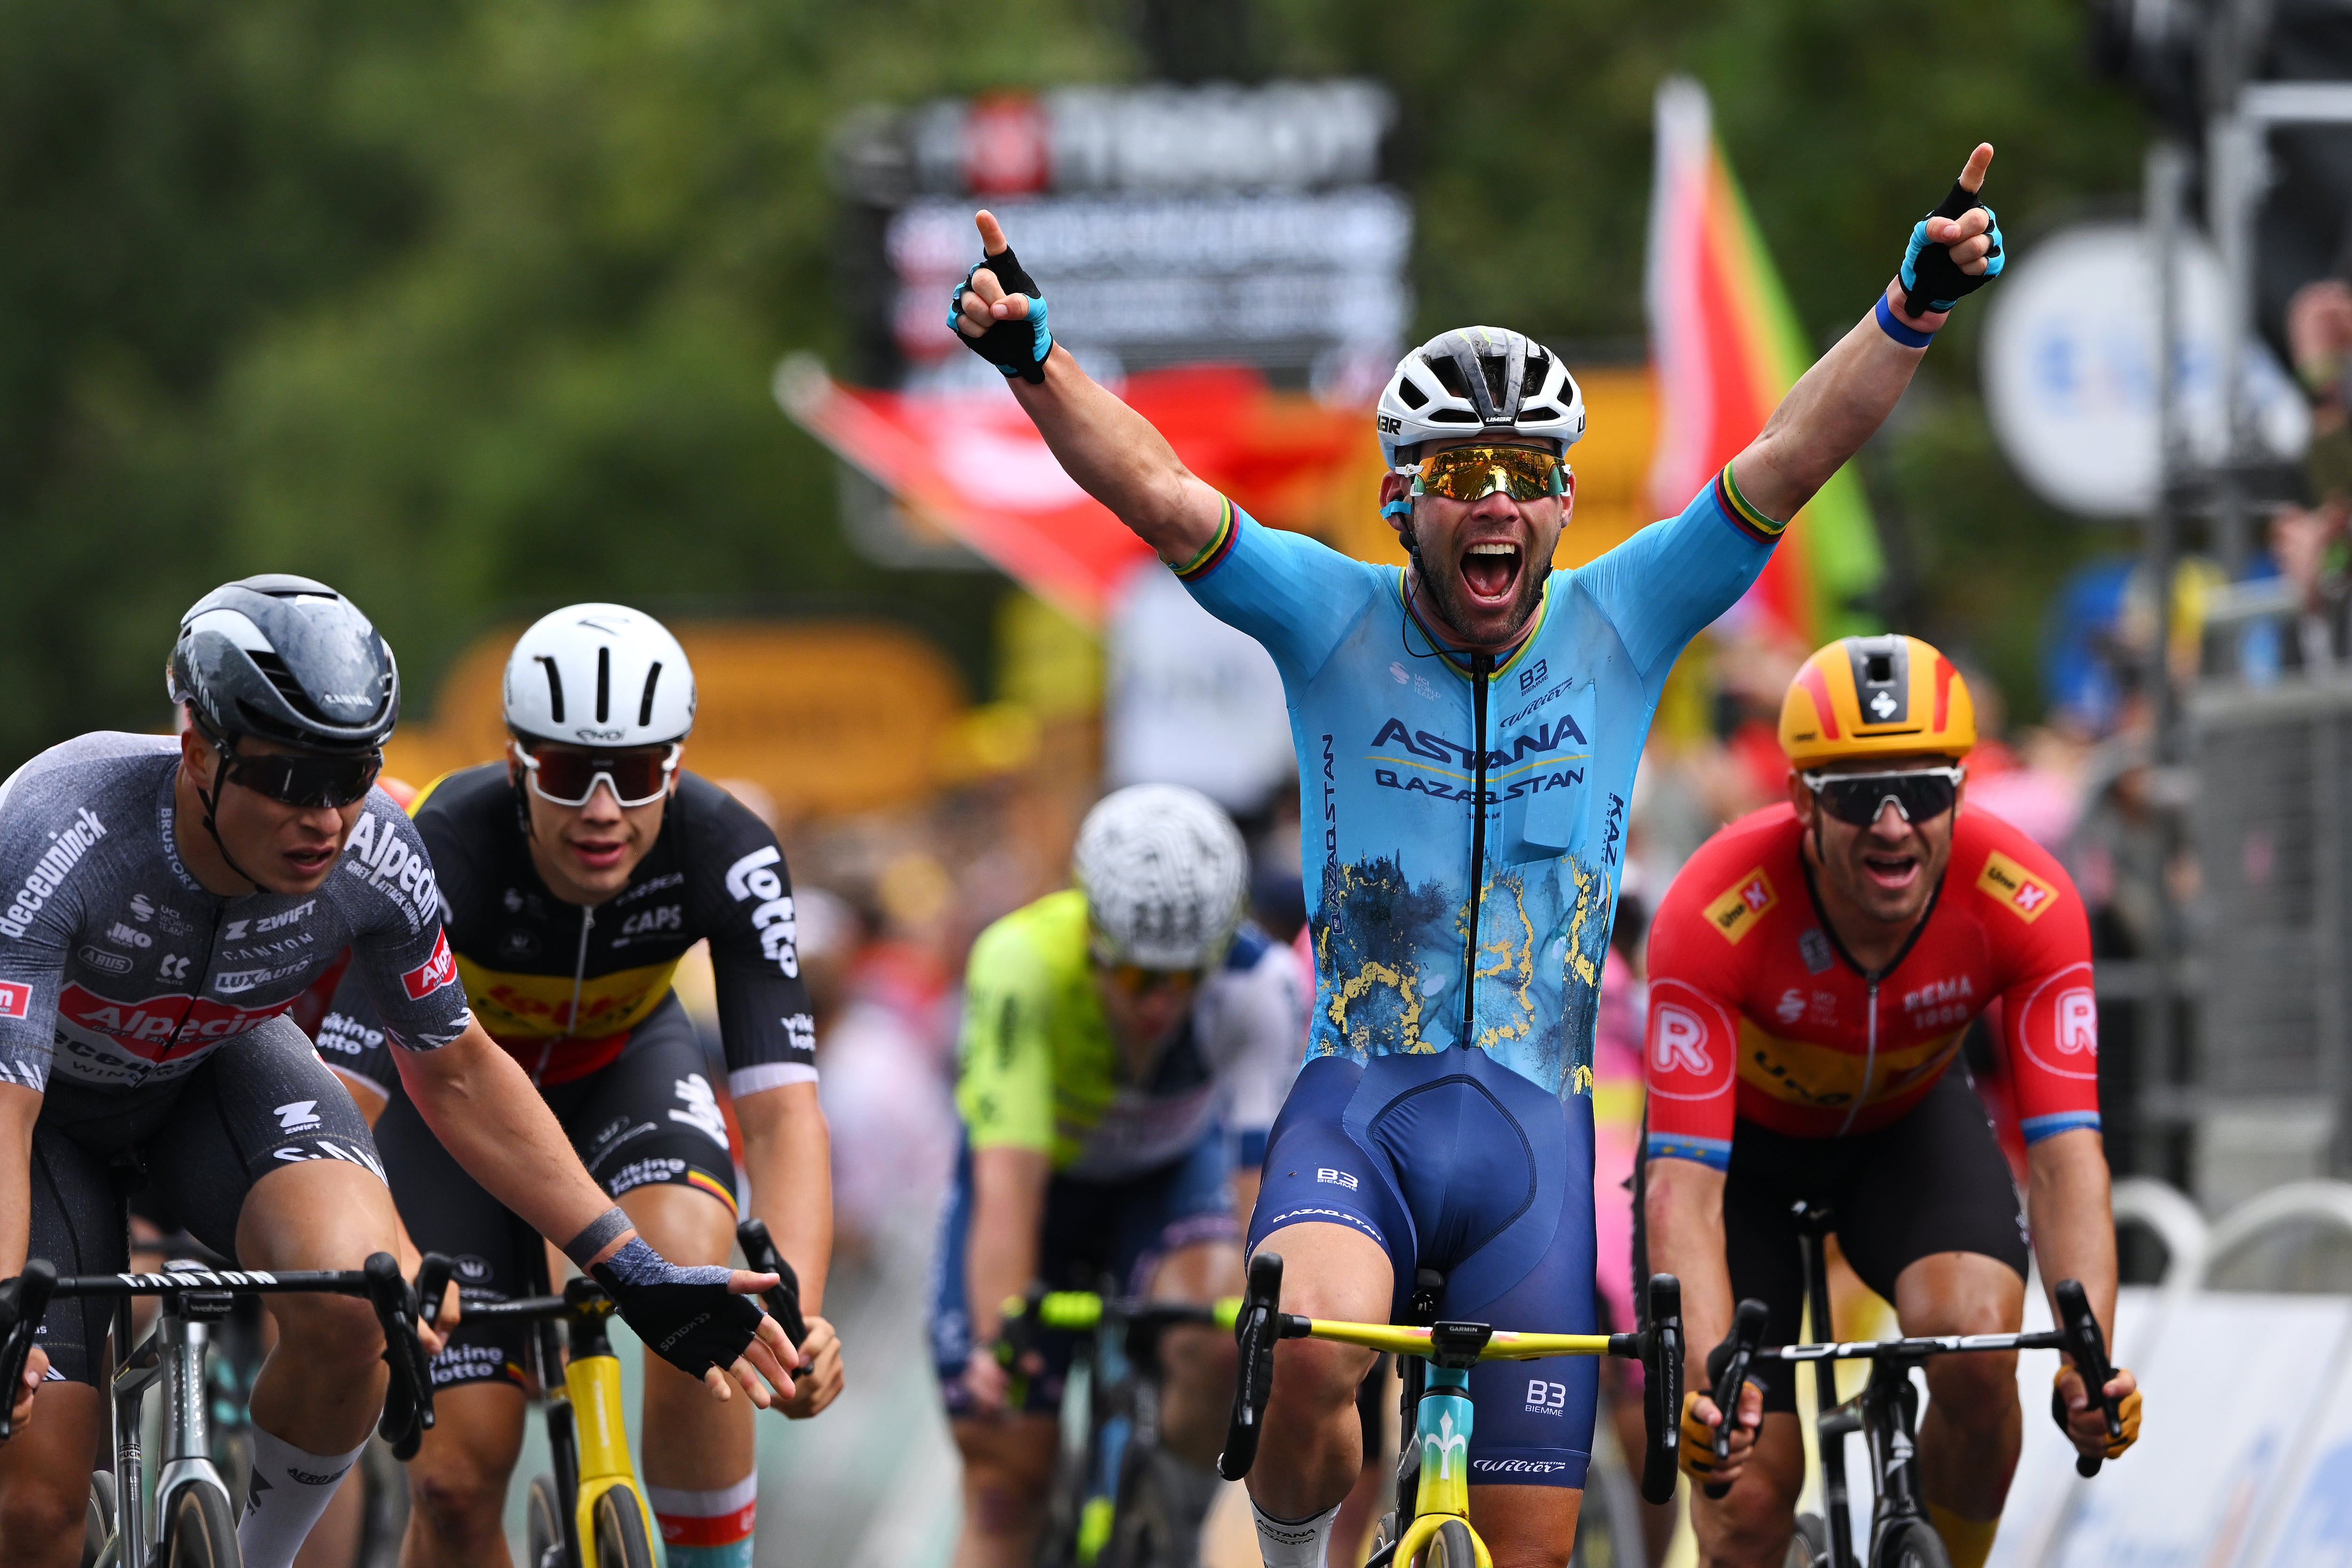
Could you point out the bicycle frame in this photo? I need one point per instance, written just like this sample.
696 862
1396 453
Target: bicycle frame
1443 1412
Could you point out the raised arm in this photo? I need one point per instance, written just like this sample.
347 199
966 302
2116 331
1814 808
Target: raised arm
1838 405
1112 452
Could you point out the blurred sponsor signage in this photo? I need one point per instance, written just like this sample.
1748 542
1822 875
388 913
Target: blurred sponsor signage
2070 370
1169 225
823 716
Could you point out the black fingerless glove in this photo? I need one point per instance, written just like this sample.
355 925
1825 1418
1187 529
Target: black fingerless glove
1016 348
1931 280
689 1316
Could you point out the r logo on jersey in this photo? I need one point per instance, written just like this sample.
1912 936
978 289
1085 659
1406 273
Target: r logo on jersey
2078 1022
15 1001
436 971
1678 1040
1741 905
2025 895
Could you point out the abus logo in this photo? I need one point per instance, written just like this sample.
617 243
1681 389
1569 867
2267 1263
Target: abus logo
436 971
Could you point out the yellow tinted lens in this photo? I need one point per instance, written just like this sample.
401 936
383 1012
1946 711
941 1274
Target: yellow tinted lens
1469 473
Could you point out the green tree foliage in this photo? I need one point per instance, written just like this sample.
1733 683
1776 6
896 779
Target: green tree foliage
469 306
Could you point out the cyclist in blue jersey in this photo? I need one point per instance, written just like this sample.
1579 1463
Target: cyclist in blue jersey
1468 731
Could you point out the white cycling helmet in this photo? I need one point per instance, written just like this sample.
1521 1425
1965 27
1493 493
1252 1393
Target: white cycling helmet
1477 381
599 675
1165 876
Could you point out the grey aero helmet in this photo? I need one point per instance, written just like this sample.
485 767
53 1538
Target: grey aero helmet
286 660
1165 874
1477 381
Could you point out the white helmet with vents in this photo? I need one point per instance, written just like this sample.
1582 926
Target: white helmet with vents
1165 876
599 675
1477 381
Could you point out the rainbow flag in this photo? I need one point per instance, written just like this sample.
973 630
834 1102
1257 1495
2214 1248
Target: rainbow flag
1725 347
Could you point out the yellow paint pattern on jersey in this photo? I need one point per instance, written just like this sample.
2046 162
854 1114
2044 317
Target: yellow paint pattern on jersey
1824 1078
534 1008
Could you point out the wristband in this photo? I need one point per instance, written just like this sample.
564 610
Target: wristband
596 1236
1892 325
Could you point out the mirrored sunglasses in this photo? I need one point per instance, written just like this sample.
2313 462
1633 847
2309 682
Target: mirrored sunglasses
638 777
1472 473
1921 794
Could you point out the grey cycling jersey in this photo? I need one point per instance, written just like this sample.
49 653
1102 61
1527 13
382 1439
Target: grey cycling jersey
118 969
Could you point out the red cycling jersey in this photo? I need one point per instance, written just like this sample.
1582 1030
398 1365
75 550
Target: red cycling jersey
1743 970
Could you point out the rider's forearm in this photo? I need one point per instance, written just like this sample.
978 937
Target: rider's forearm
788 1153
1116 457
1008 1209
2066 1204
489 1116
1834 408
19 1108
1682 1215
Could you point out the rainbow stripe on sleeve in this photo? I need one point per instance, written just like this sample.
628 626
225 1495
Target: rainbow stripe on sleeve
1214 552
1736 508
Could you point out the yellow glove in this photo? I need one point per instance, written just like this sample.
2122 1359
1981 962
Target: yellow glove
2127 1411
1697 1457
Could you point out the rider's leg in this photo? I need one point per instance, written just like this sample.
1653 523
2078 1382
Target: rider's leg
1310 1451
44 1477
1526 1527
1969 1436
319 1394
458 1482
701 1470
1196 1395
1750 1527
1008 1465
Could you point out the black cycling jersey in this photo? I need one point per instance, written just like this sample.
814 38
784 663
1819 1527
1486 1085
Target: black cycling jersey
559 985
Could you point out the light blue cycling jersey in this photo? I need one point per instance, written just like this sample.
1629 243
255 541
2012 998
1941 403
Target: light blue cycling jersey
1384 719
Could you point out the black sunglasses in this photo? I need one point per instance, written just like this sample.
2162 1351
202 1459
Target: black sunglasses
304 779
1921 794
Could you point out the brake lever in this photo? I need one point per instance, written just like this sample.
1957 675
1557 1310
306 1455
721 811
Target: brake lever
409 1401
2088 1347
23 1302
1256 1330
783 1298
1747 1326
1662 1388
432 1286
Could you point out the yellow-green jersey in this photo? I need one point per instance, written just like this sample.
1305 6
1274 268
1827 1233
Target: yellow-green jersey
1038 1068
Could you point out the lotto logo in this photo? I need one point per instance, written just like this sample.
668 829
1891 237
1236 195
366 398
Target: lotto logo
436 971
1337 1178
15 1001
1548 1398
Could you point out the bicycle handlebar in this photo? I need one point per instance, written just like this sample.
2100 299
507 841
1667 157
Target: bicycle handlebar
1748 1325
784 1298
408 1402
1082 1311
2082 1341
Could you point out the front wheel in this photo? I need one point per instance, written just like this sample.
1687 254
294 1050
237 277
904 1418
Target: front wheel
1809 1547
621 1529
1910 1544
98 1518
543 1526
198 1531
1450 1547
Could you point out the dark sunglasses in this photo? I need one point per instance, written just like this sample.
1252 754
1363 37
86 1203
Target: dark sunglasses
304 779
1921 794
638 777
1135 980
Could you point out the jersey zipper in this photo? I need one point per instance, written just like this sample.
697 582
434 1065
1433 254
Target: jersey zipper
1481 666
578 982
1869 1058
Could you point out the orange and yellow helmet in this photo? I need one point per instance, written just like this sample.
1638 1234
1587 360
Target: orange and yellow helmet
1877 697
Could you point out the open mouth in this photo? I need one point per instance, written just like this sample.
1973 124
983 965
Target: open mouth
1490 570
310 858
598 856
1891 873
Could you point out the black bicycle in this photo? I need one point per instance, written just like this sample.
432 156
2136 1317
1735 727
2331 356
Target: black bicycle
1117 1499
193 1521
1886 1411
590 1511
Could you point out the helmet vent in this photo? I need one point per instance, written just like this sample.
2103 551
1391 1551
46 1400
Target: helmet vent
645 704
1451 416
555 688
1449 376
604 684
1492 369
1881 669
271 665
1412 397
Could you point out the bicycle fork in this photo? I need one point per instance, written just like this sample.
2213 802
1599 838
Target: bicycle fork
593 1407
1832 1420
173 1351
1442 1433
